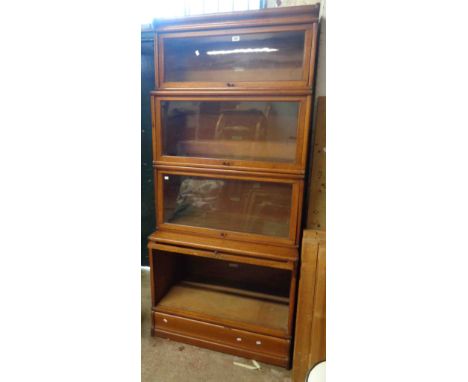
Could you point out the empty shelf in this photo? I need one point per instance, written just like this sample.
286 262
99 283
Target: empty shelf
229 304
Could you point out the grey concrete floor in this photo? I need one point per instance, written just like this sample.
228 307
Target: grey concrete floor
169 361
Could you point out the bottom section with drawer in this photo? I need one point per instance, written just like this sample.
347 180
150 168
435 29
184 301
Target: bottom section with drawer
243 343
242 305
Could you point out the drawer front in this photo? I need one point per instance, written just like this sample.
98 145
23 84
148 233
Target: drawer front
217 333
233 58
237 207
264 133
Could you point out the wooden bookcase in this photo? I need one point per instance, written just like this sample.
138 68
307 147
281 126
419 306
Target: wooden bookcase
231 116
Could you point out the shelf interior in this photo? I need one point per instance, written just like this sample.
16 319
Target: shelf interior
228 303
222 290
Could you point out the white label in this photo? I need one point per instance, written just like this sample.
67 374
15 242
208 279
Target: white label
235 38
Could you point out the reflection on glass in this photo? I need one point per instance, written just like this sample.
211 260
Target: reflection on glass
243 57
225 204
245 130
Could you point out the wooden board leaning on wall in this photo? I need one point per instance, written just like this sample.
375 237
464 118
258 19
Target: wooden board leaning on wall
316 215
310 338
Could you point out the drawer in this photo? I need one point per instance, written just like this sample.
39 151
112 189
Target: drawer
240 339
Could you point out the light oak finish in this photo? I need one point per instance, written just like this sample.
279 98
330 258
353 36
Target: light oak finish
222 305
235 172
307 14
223 338
224 275
237 291
313 53
310 336
186 92
264 343
218 245
224 256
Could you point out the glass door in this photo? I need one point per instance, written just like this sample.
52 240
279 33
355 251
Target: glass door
235 207
250 57
251 132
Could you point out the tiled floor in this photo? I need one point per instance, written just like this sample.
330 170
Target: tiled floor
168 361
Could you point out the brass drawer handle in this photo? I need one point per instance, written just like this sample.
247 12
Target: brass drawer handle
226 163
238 339
165 320
230 84
258 342
223 234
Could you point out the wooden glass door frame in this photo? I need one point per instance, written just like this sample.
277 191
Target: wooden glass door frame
302 136
310 40
297 192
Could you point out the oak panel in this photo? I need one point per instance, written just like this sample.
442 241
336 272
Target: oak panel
191 243
316 215
268 16
213 344
309 346
228 306
236 338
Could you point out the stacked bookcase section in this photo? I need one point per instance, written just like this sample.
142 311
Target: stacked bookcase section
231 116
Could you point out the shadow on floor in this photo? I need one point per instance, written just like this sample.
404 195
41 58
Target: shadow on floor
169 361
